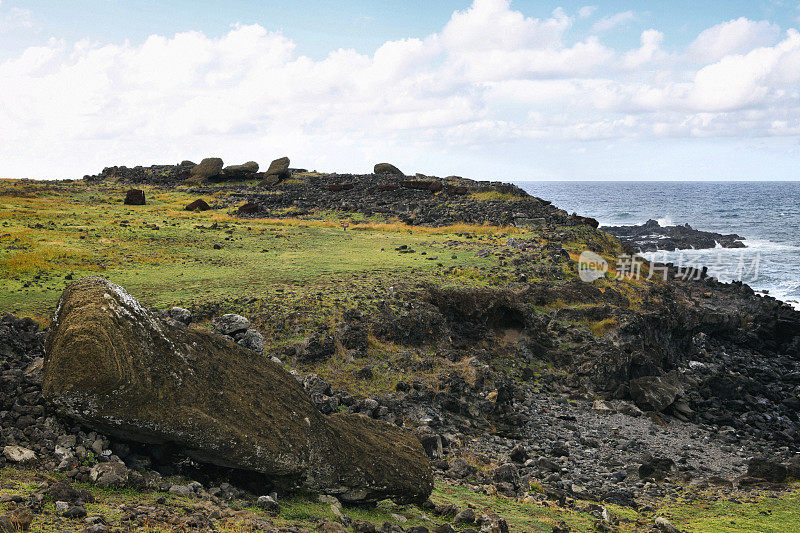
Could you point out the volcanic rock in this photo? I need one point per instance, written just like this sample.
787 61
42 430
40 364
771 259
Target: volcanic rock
198 205
230 324
763 468
248 208
388 168
134 197
652 236
654 393
18 454
278 171
208 169
113 366
233 172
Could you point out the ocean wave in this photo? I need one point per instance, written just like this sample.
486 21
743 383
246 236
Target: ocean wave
765 245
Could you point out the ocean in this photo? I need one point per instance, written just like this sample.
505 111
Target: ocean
766 214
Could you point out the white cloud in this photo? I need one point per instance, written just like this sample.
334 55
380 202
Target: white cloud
612 21
491 76
651 47
586 11
733 37
16 18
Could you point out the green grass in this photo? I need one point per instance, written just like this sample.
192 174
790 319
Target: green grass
754 512
51 232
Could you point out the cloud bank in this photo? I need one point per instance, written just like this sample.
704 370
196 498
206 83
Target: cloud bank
489 77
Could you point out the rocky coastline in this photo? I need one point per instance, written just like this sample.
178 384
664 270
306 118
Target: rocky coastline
535 387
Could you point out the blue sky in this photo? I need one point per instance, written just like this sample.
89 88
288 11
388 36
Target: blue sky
320 26
485 89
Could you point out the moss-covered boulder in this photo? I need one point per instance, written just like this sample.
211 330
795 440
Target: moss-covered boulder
116 367
209 168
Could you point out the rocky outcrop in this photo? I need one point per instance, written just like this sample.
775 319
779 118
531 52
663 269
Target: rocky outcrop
651 236
112 365
209 168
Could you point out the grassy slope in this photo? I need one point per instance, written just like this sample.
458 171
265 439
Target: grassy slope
311 268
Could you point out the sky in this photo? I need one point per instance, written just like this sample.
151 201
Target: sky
488 89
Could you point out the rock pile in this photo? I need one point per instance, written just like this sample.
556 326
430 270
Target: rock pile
425 201
237 329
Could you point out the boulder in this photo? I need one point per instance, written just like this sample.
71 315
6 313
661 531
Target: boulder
654 393
656 467
388 168
248 208
208 169
278 171
764 468
252 340
182 315
235 172
109 475
198 205
134 197
18 454
113 366
230 324
268 504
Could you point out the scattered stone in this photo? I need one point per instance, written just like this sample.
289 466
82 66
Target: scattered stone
518 454
180 314
654 393
467 516
248 208
75 512
362 526
268 504
656 468
252 340
664 525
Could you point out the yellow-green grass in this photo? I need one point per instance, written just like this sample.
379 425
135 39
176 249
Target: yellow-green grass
758 512
79 229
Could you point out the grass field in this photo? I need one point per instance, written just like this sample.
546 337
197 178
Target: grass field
166 255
